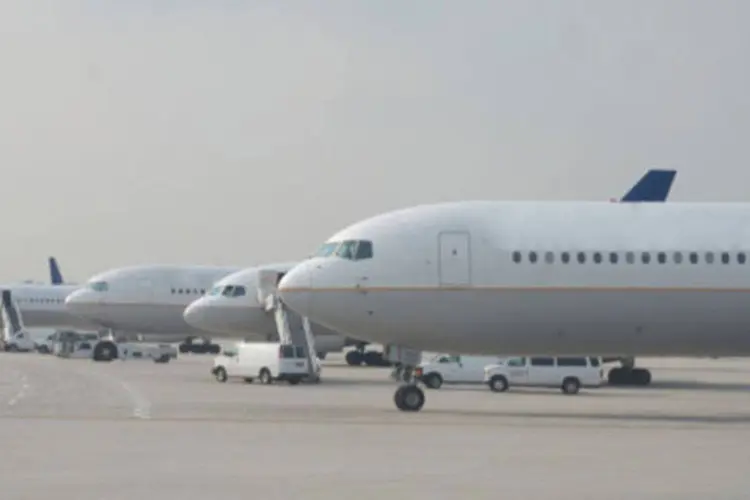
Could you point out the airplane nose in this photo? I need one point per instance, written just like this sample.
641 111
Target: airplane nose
195 314
295 289
80 302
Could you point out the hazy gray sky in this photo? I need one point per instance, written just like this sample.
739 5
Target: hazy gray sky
243 132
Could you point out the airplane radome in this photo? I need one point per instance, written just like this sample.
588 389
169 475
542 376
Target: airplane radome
523 278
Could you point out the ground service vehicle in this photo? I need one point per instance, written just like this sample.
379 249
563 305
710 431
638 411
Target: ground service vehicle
454 369
567 373
266 361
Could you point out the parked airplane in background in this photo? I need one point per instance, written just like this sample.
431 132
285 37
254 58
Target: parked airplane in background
43 305
522 278
148 300
233 307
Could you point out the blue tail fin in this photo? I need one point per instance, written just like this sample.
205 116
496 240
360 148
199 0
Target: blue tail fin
55 276
653 186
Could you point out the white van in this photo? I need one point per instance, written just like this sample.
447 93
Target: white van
268 361
567 373
454 369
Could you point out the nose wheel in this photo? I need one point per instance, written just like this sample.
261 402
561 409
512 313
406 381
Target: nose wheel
409 398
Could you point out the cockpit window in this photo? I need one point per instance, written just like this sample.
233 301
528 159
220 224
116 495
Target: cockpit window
347 249
216 290
99 286
234 291
327 249
364 250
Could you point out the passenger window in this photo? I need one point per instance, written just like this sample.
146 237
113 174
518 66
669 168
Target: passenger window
581 257
645 257
516 256
549 257
565 257
724 258
532 257
677 257
741 257
693 257
613 257
542 361
630 257
709 258
661 257
597 258
364 250
517 362
594 361
571 361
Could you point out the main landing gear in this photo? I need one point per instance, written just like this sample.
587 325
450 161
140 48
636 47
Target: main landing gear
358 356
628 375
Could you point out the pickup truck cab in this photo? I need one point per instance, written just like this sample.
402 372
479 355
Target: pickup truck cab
453 369
567 373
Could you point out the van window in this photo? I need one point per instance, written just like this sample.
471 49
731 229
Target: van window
542 361
594 361
300 351
287 351
517 362
571 361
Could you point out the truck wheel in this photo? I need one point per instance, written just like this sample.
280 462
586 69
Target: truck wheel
498 383
105 351
220 374
265 377
571 385
433 380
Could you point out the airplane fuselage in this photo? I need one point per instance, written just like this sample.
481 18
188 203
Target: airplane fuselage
531 278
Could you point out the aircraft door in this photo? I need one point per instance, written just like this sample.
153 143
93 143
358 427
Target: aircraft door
454 267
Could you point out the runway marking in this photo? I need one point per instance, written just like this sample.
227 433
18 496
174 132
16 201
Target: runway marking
142 405
21 392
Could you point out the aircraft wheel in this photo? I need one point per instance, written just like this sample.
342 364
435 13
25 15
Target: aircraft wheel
409 398
354 358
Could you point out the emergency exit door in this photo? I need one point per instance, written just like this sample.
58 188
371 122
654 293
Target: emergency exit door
455 262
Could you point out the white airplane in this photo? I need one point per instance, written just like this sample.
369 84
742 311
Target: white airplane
148 300
43 305
233 308
524 278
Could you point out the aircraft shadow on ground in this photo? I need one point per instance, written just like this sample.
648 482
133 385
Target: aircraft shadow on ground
692 385
612 417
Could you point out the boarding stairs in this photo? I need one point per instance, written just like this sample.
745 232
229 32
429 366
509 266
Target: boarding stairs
293 329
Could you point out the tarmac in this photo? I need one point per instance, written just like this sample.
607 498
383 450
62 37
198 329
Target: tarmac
139 430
